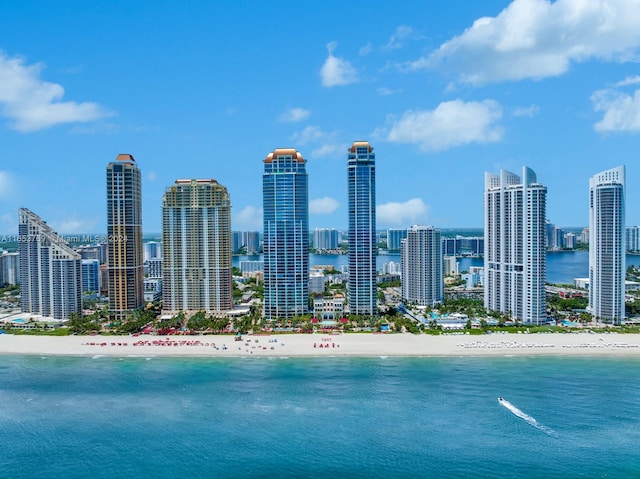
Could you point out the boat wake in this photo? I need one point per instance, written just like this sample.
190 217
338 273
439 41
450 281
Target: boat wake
522 415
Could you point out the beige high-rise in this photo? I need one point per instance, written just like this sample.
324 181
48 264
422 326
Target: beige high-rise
196 248
124 236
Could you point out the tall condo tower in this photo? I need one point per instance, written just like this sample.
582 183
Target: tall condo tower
514 248
361 174
607 245
50 271
286 234
196 239
124 231
422 281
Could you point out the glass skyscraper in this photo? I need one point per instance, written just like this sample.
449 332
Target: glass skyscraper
607 260
361 174
124 236
514 248
286 234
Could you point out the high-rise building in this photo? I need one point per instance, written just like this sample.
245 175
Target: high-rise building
514 247
90 275
633 238
422 280
246 242
325 239
394 238
9 268
570 240
151 250
286 234
196 245
124 231
607 245
361 176
50 271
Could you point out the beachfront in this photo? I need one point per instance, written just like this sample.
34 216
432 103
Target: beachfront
309 345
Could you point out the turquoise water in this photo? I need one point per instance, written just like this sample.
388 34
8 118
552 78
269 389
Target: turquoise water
331 417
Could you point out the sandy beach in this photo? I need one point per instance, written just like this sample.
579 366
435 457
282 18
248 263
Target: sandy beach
317 345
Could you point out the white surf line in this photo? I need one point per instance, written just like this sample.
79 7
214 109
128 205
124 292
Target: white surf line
522 415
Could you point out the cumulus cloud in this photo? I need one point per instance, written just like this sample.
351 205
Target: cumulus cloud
384 91
537 38
293 115
528 111
310 134
365 50
629 81
249 218
410 212
396 40
330 149
31 104
323 206
337 71
621 110
452 123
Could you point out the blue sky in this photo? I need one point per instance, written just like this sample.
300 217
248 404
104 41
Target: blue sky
443 90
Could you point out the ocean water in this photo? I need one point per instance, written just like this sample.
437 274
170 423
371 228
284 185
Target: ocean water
104 417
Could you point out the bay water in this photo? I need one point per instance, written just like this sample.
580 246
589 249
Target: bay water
562 266
384 417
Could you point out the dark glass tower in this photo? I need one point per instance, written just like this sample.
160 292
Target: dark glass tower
286 234
361 170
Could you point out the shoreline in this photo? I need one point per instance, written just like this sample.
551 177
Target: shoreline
319 345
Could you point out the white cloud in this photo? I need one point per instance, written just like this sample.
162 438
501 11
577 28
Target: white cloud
621 111
329 149
410 212
529 111
629 81
337 71
537 39
310 134
323 206
293 115
384 91
401 33
152 176
364 51
32 104
249 218
452 123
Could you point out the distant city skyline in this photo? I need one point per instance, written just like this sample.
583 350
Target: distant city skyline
445 91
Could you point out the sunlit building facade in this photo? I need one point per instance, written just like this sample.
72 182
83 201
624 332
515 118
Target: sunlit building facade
514 248
422 278
50 271
196 239
124 234
607 251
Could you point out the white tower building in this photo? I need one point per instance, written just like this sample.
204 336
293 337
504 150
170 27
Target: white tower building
607 245
514 247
